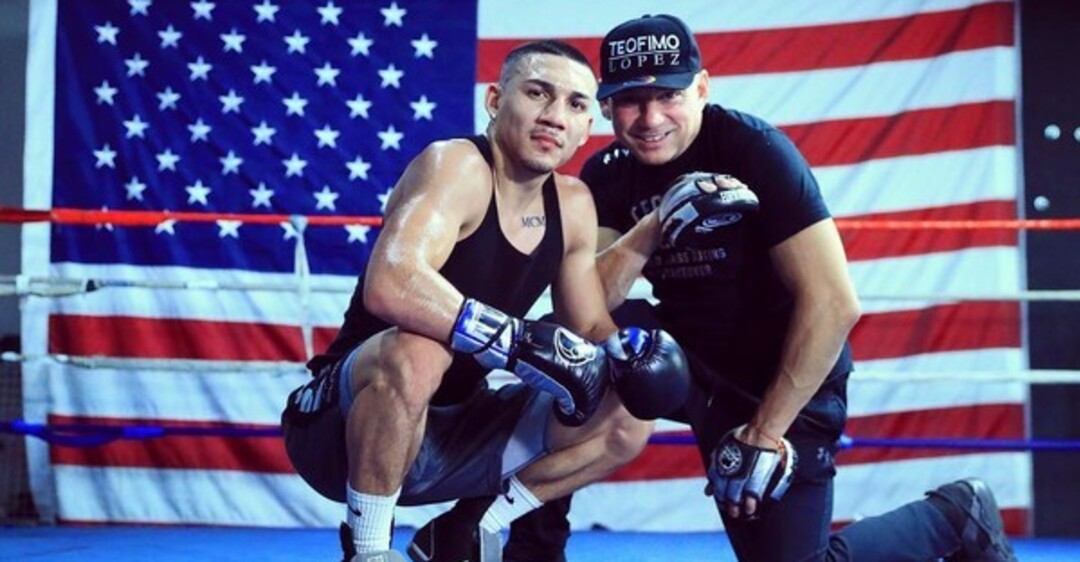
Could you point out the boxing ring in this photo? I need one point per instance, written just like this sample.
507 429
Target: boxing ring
223 542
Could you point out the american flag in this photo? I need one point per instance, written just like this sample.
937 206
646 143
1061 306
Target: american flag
905 109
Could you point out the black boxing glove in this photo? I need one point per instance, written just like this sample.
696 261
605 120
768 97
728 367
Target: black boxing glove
696 208
738 470
546 356
649 370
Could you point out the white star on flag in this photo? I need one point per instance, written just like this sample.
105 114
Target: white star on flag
140 7
391 76
383 198
297 42
197 193
263 133
327 136
358 106
105 92
357 233
294 166
424 46
325 199
167 160
135 188
200 69
422 108
263 72
229 228
230 164
136 65
265 11
393 15
106 156
230 102
167 99
136 127
261 196
107 33
361 44
294 105
329 13
199 130
170 37
167 226
107 226
203 9
391 138
327 75
358 168
233 41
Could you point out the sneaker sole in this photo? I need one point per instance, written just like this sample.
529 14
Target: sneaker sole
989 513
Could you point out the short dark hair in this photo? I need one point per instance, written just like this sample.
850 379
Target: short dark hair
542 47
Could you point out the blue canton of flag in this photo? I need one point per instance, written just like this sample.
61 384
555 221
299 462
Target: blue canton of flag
300 108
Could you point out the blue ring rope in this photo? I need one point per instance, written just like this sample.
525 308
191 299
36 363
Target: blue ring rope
93 435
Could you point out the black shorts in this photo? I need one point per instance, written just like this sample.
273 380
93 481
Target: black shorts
469 449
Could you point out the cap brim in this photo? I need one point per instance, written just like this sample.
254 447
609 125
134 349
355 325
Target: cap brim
668 81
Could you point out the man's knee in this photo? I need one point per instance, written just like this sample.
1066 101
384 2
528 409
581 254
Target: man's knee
403 368
627 436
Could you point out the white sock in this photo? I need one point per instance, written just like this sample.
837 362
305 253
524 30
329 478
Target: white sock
370 517
517 501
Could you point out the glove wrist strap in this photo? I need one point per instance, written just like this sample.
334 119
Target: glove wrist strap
485 332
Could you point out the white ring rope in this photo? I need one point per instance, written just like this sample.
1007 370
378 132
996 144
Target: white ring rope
1036 376
22 285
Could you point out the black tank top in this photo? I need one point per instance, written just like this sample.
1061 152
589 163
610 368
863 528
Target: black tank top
484 266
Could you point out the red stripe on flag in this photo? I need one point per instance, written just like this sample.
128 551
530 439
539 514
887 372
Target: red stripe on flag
870 244
818 46
922 131
129 336
657 462
850 141
983 421
952 327
255 454
948 327
986 421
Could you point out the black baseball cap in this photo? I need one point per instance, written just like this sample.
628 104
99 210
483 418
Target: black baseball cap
658 51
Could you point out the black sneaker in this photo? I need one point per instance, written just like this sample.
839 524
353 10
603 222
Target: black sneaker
983 535
456 536
348 549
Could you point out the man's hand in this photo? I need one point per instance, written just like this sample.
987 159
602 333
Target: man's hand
650 371
699 205
543 355
743 477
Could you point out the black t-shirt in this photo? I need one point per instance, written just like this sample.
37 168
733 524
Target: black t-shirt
726 305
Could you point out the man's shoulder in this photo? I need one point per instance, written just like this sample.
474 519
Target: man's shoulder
453 152
733 122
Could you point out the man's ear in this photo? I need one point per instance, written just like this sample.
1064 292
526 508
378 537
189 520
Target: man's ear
703 84
605 108
492 100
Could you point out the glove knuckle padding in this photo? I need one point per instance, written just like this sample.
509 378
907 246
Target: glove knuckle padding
738 470
693 217
655 380
552 359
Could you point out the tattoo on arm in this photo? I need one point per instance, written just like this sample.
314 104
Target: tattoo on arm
534 221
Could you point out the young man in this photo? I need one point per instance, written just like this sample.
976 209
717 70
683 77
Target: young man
474 231
751 278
